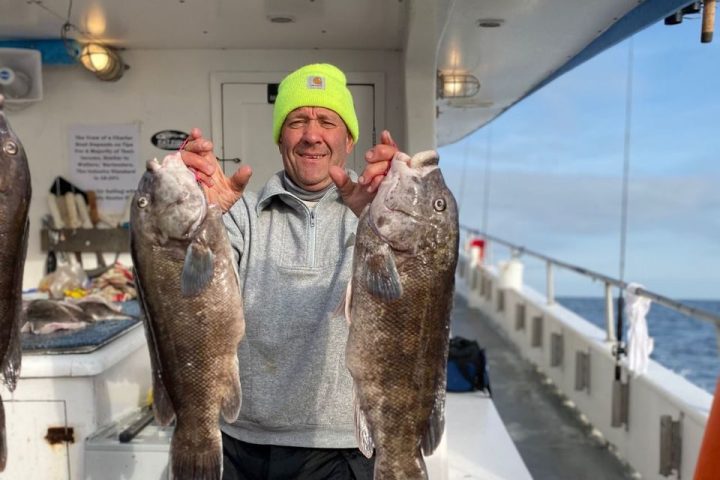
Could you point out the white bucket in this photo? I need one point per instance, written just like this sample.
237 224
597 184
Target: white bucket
511 274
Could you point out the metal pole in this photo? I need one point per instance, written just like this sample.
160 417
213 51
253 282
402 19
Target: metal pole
550 287
609 314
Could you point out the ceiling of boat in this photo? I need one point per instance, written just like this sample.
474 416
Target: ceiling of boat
370 24
534 37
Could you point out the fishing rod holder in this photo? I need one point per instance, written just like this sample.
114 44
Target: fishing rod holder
620 404
670 444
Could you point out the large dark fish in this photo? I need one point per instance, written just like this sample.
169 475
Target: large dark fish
189 289
15 195
99 309
401 297
43 316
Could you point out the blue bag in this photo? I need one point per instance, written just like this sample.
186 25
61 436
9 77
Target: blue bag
467 367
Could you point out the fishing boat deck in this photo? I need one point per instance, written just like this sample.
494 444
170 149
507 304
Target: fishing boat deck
550 437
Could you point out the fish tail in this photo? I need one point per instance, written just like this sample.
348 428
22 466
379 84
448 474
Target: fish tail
400 468
195 458
3 442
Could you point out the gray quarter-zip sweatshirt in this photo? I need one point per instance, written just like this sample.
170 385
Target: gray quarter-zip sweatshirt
294 263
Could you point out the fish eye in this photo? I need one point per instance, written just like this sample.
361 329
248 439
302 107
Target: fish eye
439 204
10 148
142 202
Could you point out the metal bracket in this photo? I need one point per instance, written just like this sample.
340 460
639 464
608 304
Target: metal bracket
520 316
620 404
486 288
500 301
582 371
557 350
537 331
670 445
474 278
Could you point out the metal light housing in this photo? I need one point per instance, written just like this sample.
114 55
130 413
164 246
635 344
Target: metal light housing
457 85
103 61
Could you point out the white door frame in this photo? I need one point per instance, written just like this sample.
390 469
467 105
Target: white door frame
217 79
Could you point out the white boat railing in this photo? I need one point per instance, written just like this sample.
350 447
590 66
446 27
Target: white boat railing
654 420
608 282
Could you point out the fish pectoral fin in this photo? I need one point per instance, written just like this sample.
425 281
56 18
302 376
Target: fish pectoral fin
380 274
232 399
197 270
436 423
362 429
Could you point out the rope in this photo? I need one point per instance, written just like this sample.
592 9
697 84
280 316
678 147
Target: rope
461 193
486 186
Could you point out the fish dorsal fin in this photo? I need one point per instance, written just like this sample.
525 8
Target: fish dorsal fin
197 270
362 429
380 275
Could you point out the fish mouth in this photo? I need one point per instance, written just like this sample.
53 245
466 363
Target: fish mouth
173 162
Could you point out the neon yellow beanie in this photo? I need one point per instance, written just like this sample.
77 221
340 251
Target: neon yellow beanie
317 85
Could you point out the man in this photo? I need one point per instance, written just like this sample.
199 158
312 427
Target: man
294 244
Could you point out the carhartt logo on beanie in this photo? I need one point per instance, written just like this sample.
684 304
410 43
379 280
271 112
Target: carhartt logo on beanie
317 85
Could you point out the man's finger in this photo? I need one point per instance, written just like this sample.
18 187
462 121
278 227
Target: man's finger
240 178
195 133
199 146
197 162
342 180
386 139
380 153
372 170
375 184
203 179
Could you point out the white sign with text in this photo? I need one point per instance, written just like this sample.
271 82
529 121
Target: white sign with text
104 159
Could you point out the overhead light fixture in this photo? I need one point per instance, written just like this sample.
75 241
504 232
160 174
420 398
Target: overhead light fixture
457 85
103 61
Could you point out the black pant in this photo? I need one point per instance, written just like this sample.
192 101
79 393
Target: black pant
247 461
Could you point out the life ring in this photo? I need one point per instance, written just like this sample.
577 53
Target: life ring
708 464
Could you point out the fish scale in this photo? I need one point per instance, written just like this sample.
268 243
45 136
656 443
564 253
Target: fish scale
15 193
402 289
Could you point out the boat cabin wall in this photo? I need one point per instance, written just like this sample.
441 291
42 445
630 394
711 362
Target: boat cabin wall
164 90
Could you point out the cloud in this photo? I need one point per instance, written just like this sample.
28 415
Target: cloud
672 223
557 162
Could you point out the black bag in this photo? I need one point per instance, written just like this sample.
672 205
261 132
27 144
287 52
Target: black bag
467 367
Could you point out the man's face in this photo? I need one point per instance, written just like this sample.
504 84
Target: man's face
312 139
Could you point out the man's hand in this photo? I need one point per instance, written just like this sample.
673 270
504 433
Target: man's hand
357 195
198 155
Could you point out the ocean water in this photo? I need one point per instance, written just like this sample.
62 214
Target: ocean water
683 344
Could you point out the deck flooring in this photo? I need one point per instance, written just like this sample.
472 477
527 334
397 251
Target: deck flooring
551 439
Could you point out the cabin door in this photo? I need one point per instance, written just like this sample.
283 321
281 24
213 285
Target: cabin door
245 134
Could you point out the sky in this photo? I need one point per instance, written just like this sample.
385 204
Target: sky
555 163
